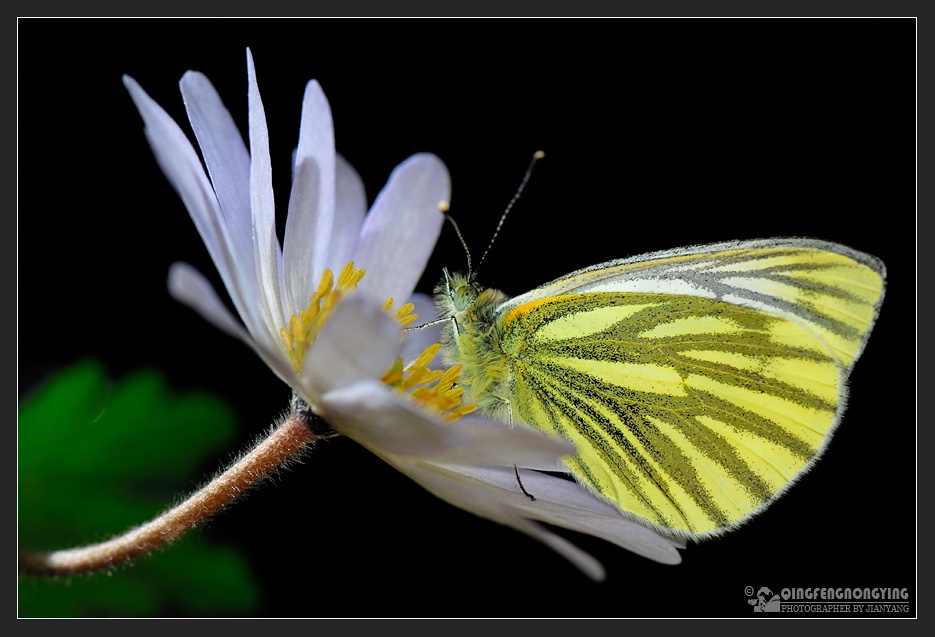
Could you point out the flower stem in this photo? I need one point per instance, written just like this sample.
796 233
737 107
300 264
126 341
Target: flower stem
285 441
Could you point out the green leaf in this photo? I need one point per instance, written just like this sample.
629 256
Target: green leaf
97 458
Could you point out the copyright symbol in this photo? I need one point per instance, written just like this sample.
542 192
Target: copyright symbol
748 591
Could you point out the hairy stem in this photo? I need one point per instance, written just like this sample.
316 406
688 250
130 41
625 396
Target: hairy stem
284 442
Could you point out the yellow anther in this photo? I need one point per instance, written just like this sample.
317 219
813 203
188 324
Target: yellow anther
297 330
404 310
350 276
419 392
408 319
457 412
310 312
454 392
449 378
331 300
345 273
324 287
431 376
393 377
444 403
426 356
466 409
287 339
451 374
413 378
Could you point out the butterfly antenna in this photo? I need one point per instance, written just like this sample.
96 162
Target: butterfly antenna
443 208
519 191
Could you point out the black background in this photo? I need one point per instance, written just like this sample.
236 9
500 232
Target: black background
658 133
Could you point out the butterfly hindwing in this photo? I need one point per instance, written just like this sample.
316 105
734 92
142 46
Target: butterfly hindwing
686 412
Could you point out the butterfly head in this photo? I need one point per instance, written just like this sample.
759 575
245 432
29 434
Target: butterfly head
456 293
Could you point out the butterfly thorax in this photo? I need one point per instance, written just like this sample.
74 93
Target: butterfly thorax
471 338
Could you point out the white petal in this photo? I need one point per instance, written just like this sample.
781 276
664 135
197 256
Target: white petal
478 498
401 230
268 253
476 441
418 339
225 156
182 168
228 165
188 286
386 423
349 209
359 342
567 504
311 206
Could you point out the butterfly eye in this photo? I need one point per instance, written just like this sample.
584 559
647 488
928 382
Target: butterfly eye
464 296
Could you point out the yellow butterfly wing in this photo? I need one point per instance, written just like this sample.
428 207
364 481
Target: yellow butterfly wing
697 383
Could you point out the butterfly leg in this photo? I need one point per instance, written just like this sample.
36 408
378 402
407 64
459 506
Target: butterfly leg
515 468
521 487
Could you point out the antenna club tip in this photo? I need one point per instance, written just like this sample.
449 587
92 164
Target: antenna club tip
443 206
538 154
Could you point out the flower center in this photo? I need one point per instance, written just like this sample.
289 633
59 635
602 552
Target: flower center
433 390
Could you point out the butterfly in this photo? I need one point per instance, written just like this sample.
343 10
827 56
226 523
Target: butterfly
698 384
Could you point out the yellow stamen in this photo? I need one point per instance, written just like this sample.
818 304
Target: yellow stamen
395 375
454 392
324 287
466 409
393 378
287 339
350 276
426 357
430 377
457 412
451 374
413 378
405 314
420 392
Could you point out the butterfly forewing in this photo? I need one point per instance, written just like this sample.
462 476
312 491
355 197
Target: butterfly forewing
826 287
696 384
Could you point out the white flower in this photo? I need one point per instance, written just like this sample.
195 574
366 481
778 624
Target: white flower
339 370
